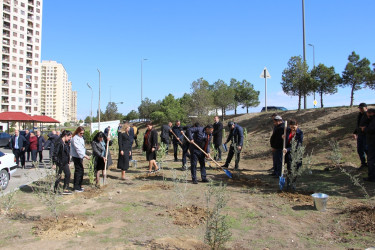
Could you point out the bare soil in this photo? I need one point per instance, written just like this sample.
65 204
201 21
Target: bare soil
155 211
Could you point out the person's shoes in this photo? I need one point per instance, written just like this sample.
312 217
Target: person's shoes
67 192
236 167
363 166
78 190
368 179
157 170
272 174
184 168
271 169
175 160
219 159
23 167
195 182
225 166
205 180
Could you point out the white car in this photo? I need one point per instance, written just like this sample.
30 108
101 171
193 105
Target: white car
7 167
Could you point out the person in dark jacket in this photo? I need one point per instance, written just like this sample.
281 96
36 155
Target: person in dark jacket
201 137
292 133
360 136
107 130
61 157
99 150
165 135
218 136
369 130
52 138
177 140
124 146
276 142
41 142
150 146
18 144
27 149
236 136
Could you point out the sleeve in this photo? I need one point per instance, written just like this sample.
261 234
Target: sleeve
155 139
120 142
240 135
56 152
190 131
80 149
26 143
95 150
229 136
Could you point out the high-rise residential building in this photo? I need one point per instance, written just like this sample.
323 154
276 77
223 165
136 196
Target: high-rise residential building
20 55
56 93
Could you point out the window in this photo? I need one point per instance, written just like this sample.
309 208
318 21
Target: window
15 18
14 74
22 4
19 107
14 26
14 50
14 91
20 99
14 83
21 75
22 36
21 67
22 28
14 58
15 34
13 99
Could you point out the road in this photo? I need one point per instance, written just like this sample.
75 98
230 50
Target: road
26 176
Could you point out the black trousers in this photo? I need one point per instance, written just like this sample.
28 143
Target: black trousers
33 155
40 156
20 155
59 171
230 156
371 161
78 173
217 147
175 149
197 155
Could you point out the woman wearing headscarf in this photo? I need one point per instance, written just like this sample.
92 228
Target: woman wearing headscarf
125 145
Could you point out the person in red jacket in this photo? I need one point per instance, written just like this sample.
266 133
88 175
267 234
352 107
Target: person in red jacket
33 146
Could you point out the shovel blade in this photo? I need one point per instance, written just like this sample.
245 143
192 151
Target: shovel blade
228 173
281 182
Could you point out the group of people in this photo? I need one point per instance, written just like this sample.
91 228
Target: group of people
25 145
364 134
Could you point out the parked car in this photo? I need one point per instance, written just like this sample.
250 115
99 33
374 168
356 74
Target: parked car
273 108
7 168
4 139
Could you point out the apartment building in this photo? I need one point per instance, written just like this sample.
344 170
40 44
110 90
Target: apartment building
21 27
57 96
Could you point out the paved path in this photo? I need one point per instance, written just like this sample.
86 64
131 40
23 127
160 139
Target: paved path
26 176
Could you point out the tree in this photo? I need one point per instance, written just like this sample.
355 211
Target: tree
234 85
170 110
325 81
357 73
296 80
223 95
371 81
88 119
111 113
202 101
146 108
132 115
247 95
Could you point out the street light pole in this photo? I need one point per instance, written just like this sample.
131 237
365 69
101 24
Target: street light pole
88 85
304 44
143 59
99 104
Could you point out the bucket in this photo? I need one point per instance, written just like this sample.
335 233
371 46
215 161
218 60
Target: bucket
160 165
320 201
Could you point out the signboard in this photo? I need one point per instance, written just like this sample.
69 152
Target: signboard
104 125
265 73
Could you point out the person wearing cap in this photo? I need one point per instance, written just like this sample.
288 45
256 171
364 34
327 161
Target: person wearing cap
150 145
360 136
218 136
201 137
277 146
236 136
369 131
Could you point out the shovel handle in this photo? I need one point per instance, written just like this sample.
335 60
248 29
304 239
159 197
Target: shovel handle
176 136
284 141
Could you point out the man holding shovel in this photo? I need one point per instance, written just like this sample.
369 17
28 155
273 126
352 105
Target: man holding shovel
201 137
236 136
277 142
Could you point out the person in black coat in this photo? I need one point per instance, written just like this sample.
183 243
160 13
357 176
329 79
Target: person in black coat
18 144
369 130
277 146
61 157
165 135
52 138
201 137
27 149
124 146
176 140
218 136
292 133
236 136
99 150
360 136
41 142
150 146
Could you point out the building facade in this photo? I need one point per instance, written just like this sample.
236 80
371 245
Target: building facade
21 27
56 93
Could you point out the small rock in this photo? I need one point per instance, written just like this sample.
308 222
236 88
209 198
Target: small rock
119 191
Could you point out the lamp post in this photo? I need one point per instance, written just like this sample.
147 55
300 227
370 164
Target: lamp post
143 59
312 45
99 104
304 44
88 85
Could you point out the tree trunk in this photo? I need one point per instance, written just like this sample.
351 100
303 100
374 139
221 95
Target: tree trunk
352 96
247 109
304 101
321 99
235 110
222 113
299 101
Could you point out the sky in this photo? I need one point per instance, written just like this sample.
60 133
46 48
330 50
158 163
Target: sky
184 40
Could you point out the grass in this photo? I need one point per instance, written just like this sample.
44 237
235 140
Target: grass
105 220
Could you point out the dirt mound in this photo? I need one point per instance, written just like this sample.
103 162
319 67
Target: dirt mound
177 243
92 192
246 182
361 218
298 197
49 228
156 186
191 216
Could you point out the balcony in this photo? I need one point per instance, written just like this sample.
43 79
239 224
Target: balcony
5 100
30 9
5 50
4 108
6 25
5 92
29 32
31 2
6 33
6 8
29 47
6 41
30 17
29 55
5 75
6 17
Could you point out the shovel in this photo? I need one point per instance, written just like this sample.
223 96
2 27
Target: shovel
227 172
105 163
282 178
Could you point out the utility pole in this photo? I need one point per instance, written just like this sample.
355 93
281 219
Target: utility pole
304 45
99 104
